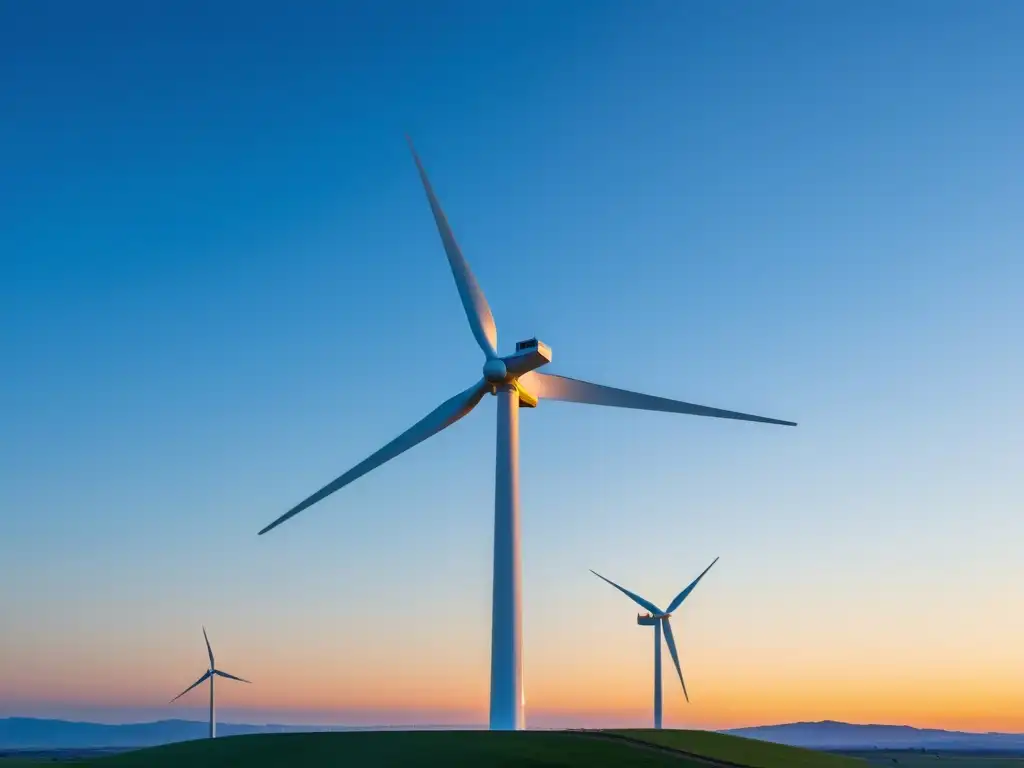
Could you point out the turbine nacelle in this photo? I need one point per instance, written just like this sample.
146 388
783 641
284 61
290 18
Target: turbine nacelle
529 356
500 372
650 619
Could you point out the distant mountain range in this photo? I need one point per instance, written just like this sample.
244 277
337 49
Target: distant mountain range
832 735
23 733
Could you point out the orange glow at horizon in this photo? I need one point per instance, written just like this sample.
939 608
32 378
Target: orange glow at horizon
721 696
744 666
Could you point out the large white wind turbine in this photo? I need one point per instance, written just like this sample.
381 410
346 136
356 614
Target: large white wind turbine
211 673
515 382
659 619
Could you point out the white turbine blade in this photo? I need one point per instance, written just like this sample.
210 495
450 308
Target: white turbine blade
550 387
649 606
671 641
441 417
209 650
206 674
230 677
686 592
481 321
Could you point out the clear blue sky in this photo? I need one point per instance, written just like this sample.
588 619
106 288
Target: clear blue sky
221 287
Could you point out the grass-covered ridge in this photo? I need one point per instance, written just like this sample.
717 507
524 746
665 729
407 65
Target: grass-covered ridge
473 749
737 750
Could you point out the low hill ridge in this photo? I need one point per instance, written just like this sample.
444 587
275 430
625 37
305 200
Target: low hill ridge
832 734
472 749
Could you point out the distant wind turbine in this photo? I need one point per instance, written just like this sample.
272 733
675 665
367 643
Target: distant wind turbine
209 675
659 619
516 383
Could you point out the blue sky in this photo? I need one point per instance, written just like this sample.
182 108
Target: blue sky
221 287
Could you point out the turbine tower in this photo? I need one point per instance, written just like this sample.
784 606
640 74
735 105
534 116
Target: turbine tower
515 382
209 675
659 619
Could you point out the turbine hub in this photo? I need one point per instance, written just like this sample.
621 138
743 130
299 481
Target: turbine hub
495 371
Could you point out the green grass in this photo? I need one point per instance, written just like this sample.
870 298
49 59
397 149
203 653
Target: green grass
740 751
465 749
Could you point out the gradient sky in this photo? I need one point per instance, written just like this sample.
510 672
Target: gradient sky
221 287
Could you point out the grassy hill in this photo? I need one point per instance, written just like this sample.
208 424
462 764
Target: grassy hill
463 749
736 750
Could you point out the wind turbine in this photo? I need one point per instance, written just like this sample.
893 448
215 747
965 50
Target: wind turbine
209 675
659 619
516 382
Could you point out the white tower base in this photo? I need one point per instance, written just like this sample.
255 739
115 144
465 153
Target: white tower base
506 599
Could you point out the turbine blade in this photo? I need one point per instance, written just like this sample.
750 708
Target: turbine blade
230 677
547 386
209 650
634 597
481 321
671 641
441 417
206 674
686 592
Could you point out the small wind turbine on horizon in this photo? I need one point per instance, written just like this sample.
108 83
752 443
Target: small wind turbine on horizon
516 383
209 675
659 619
